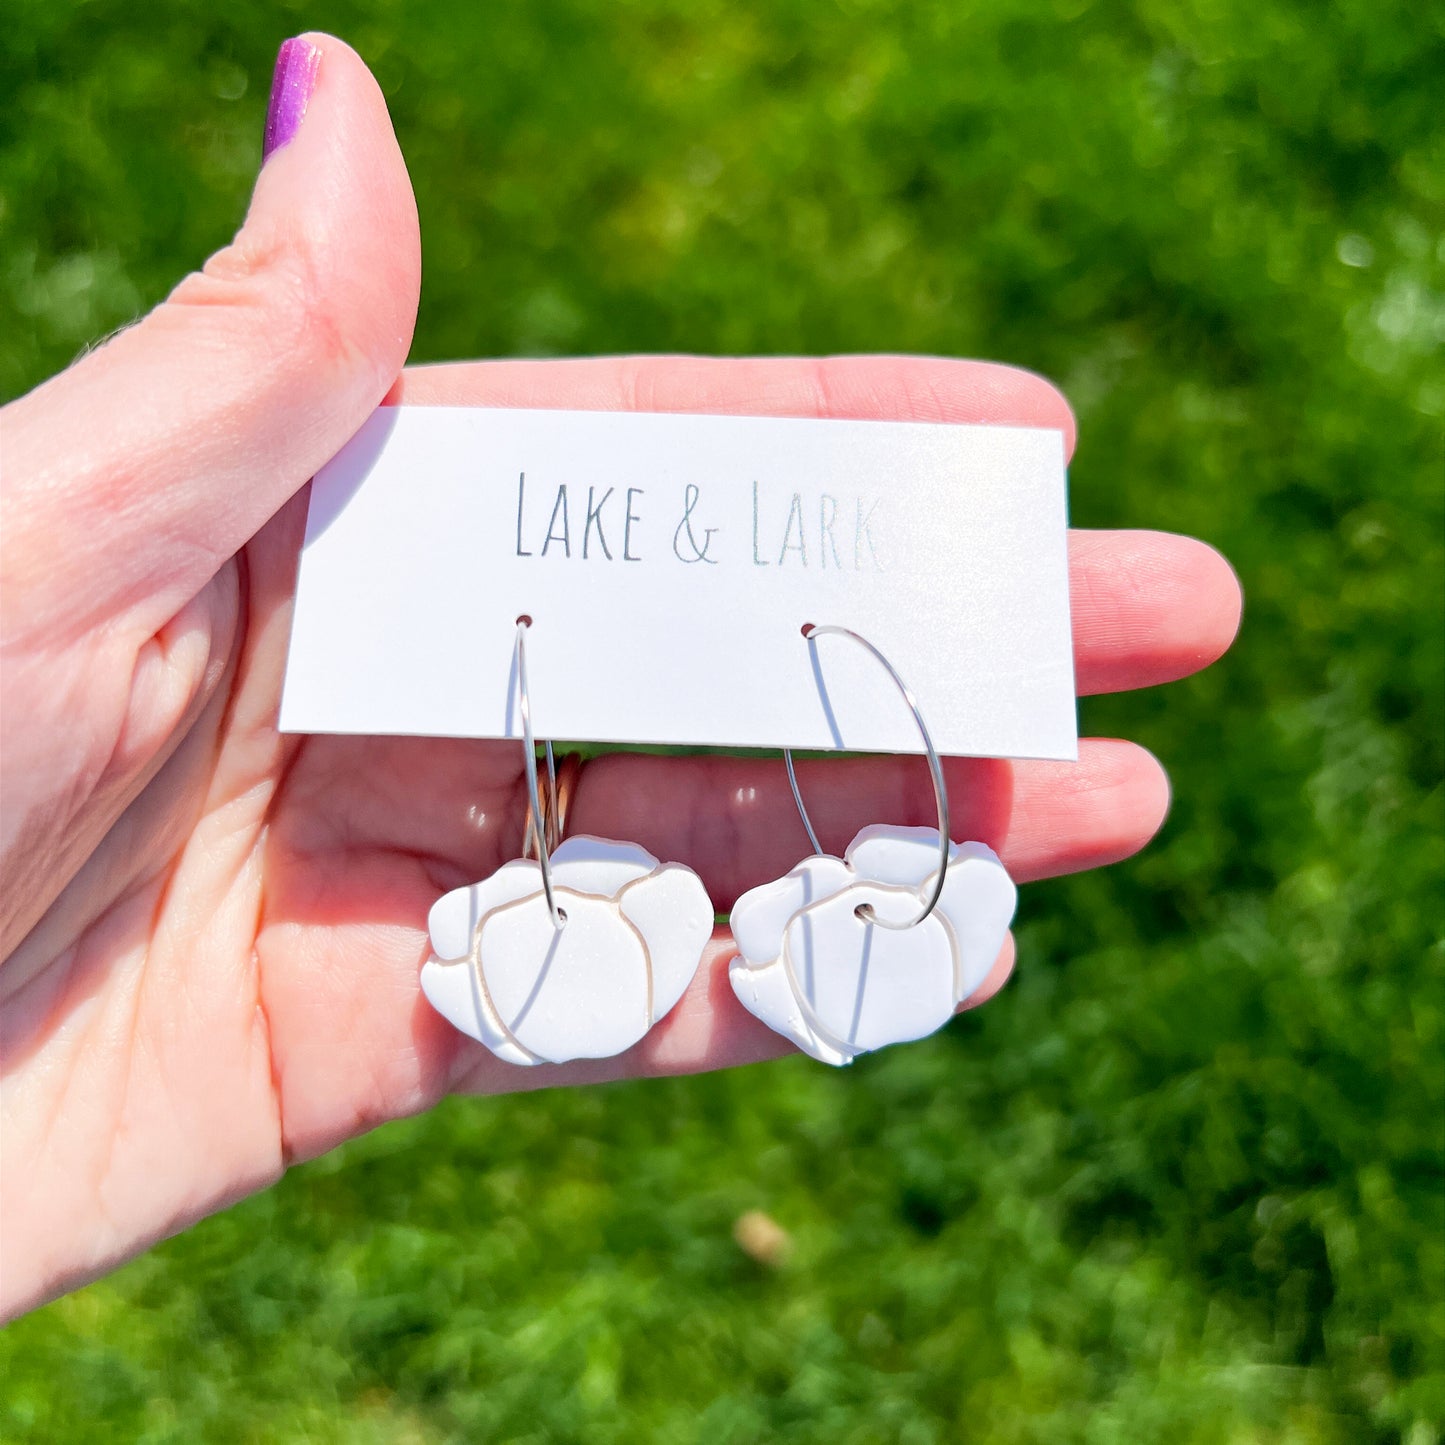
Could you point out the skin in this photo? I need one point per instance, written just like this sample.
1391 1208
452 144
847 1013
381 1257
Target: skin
212 933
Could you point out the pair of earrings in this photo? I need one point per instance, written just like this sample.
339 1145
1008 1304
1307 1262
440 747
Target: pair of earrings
577 953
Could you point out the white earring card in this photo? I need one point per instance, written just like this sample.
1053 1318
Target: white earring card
669 563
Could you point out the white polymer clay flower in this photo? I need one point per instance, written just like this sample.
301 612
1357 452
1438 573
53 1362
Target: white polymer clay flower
533 993
819 973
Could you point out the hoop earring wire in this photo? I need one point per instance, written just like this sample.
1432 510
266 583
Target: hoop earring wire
543 825
935 769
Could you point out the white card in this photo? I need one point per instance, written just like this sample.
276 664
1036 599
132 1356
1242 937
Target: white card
669 563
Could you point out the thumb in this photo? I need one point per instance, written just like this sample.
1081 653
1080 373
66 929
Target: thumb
133 476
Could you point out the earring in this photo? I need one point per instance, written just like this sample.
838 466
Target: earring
845 955
574 955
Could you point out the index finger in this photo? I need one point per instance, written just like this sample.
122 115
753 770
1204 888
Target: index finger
891 388
1148 607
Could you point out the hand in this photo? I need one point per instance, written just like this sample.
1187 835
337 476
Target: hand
212 933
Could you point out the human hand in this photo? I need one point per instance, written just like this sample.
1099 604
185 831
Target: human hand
212 933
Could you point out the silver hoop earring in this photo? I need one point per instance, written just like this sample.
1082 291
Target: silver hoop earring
573 955
846 955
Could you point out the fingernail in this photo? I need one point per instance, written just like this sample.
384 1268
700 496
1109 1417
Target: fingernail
291 87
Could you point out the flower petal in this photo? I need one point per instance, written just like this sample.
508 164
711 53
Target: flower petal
885 853
452 990
579 992
599 865
765 991
866 986
455 915
671 910
978 899
761 914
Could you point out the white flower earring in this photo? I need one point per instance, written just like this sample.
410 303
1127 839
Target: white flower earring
574 955
845 955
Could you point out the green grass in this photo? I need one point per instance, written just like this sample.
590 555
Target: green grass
1183 1181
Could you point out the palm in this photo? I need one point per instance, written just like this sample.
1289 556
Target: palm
246 930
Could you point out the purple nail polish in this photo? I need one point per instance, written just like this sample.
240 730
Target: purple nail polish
291 87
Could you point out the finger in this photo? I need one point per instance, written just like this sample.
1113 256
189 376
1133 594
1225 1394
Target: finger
912 388
132 476
1147 607
458 806
996 977
733 819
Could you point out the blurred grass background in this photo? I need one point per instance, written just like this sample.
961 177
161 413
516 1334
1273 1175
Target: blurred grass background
1183 1181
